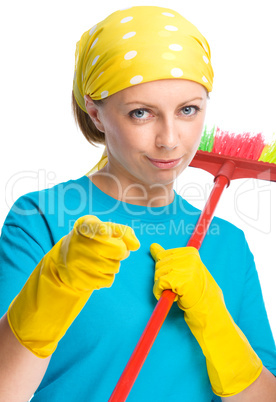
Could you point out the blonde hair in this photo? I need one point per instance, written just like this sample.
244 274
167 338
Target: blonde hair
86 125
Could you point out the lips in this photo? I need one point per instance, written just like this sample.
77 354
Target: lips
164 160
165 164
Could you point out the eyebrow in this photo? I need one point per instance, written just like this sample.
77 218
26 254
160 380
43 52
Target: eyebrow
148 105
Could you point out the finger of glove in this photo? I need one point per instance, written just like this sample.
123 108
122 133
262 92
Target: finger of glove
161 270
156 250
74 250
85 224
87 281
113 248
104 246
188 282
160 286
186 270
126 233
97 279
93 228
94 263
177 259
184 280
177 252
101 231
98 236
170 262
85 271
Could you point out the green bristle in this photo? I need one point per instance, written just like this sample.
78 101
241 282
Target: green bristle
207 139
269 153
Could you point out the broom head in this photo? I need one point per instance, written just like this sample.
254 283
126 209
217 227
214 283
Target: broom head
250 156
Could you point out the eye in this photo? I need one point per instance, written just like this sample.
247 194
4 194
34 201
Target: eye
139 114
190 110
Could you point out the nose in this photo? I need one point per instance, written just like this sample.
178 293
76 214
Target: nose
167 135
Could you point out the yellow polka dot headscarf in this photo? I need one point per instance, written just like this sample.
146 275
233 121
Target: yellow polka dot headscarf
137 45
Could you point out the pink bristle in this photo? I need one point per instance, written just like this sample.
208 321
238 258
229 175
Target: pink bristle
259 145
239 145
227 149
234 144
218 147
245 148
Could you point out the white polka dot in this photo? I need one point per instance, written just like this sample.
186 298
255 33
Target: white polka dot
175 47
127 19
130 55
136 80
204 79
104 94
176 72
100 75
129 35
94 43
171 28
92 30
168 14
206 59
205 48
95 60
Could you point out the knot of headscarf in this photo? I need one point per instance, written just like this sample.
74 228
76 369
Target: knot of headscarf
137 45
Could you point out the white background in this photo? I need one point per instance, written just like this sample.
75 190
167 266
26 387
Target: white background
41 146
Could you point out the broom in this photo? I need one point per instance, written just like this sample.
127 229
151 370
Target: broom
227 156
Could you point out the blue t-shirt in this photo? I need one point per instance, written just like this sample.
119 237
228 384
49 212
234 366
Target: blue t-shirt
94 351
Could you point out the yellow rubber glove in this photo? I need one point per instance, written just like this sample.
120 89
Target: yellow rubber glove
86 259
232 364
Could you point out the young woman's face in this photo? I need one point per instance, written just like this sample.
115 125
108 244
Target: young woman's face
153 129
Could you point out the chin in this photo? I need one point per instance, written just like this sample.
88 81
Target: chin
164 177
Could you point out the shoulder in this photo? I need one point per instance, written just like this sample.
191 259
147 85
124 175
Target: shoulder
36 201
47 213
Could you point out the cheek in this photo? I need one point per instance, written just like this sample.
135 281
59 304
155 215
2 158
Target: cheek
121 144
124 137
196 132
191 139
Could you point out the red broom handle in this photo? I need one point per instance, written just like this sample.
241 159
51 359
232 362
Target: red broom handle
165 302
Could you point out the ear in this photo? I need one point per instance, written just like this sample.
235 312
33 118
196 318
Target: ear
93 112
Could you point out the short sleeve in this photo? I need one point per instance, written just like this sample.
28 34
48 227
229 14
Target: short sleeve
253 319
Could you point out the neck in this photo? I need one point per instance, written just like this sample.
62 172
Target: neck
131 191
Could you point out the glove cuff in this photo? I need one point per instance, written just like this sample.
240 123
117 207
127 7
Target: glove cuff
231 362
44 309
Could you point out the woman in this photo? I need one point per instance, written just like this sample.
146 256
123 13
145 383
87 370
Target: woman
141 85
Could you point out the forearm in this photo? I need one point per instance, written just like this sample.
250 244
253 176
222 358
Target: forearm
263 389
20 370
